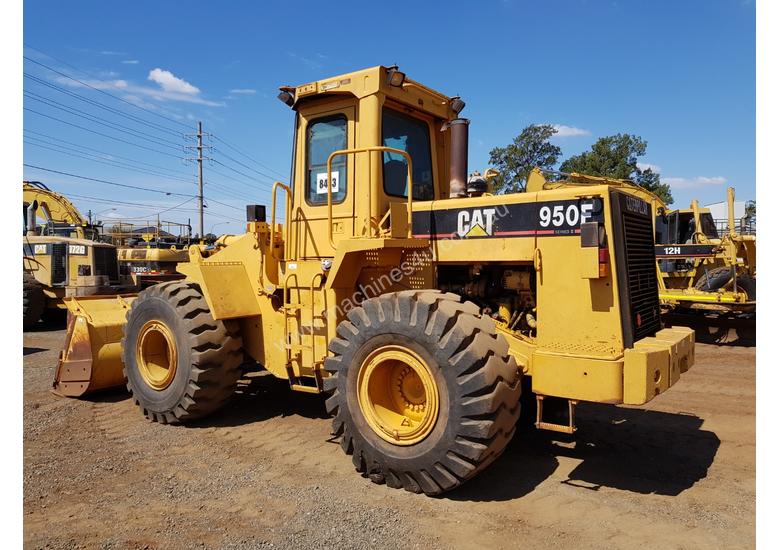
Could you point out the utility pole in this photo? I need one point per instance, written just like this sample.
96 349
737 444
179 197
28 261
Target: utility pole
200 177
200 158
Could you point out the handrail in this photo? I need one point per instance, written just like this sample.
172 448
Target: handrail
325 321
287 207
410 191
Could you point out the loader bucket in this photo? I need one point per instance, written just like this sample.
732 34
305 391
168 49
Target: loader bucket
91 358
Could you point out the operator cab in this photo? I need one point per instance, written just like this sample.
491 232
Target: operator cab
363 111
678 227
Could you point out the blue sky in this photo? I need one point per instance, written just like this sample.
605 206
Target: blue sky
681 74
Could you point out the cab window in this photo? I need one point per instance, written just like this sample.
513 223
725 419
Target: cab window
708 226
409 134
324 136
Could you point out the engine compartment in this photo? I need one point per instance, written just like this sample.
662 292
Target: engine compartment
506 293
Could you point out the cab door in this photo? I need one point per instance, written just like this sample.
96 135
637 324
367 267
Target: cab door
320 133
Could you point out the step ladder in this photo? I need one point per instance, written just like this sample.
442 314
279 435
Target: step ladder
293 312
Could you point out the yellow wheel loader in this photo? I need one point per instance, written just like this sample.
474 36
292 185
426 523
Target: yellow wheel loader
418 309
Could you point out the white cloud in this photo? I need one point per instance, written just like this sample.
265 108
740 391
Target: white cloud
134 92
111 52
130 62
171 83
645 165
243 91
698 181
569 131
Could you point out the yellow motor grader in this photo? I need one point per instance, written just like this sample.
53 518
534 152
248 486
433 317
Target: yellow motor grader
418 309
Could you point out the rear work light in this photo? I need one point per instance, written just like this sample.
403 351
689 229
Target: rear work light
603 262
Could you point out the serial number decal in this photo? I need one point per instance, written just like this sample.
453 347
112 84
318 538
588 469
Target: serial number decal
684 251
322 183
565 216
555 218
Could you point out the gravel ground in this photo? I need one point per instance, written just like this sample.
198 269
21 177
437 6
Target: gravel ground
265 473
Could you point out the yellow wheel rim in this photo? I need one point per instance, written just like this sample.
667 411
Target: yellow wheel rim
397 395
155 355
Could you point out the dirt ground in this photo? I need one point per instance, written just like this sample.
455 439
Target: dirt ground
264 473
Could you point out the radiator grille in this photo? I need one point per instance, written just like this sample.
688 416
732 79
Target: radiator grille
106 262
642 282
58 263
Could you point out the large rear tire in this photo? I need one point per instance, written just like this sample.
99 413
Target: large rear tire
714 279
180 363
424 392
33 300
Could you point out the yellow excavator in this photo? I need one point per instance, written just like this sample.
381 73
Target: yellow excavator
62 256
419 304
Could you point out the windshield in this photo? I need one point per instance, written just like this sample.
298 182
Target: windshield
409 134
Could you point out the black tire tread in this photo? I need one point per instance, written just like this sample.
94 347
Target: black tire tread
487 375
216 354
33 300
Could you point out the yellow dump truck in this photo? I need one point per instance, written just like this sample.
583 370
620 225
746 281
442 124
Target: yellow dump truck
418 309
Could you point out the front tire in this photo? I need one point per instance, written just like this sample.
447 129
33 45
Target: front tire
424 392
180 363
33 301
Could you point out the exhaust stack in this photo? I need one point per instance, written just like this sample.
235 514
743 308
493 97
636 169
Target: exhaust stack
31 210
459 154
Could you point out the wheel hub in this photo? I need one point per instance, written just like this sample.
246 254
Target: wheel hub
156 355
397 395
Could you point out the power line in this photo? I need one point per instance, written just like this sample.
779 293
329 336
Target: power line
237 150
253 186
148 206
111 155
271 178
100 133
103 106
108 182
125 203
103 91
115 164
250 178
226 190
102 121
223 204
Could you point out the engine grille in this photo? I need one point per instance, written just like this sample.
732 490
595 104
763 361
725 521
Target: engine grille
641 271
106 262
58 263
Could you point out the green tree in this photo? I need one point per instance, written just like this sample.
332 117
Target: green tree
616 157
515 161
750 209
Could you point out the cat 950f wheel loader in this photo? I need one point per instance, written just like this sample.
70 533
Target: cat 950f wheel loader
418 309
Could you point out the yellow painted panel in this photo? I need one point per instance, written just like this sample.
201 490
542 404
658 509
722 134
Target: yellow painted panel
578 378
686 339
644 376
228 291
589 262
